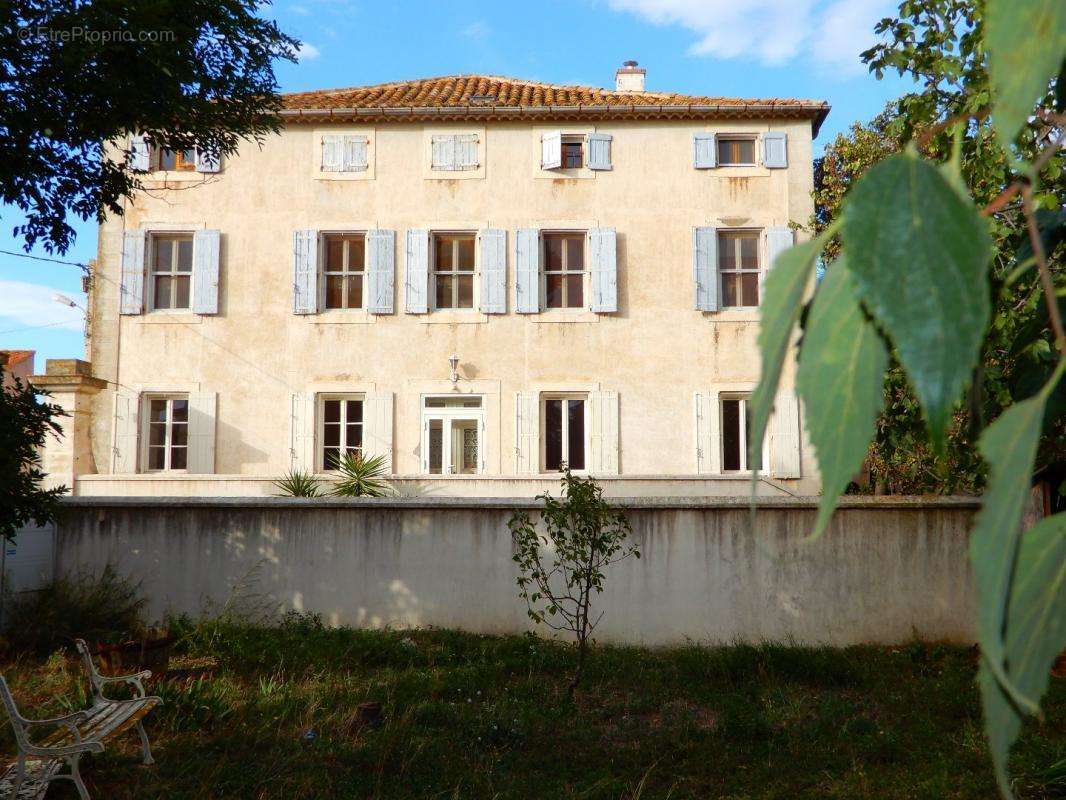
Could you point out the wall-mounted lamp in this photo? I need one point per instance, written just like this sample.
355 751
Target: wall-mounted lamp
453 361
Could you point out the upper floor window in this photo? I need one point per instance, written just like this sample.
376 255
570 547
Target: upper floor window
735 432
171 271
564 441
573 152
564 270
180 160
341 430
167 432
454 151
736 151
453 270
738 266
345 269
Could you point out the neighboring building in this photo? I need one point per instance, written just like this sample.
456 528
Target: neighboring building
593 260
16 365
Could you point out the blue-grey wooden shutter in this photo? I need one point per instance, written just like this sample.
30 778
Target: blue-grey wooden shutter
302 432
381 262
139 154
125 426
205 247
493 271
131 291
207 162
416 272
527 433
785 437
355 159
527 271
599 150
377 426
551 150
201 453
775 150
443 152
603 260
603 433
305 272
705 268
332 153
704 151
466 151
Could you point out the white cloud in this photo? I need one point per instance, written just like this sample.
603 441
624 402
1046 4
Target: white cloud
476 30
31 304
302 11
307 52
827 33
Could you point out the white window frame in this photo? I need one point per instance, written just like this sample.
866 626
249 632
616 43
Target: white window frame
544 272
447 415
760 236
145 429
544 398
732 137
745 399
320 425
323 271
474 275
174 236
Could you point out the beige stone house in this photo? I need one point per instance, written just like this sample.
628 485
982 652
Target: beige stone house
479 278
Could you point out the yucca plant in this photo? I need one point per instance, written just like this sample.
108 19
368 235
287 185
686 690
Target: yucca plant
361 477
297 483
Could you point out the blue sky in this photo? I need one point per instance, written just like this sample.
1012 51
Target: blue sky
747 48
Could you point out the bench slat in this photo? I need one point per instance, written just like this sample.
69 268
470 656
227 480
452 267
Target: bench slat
104 722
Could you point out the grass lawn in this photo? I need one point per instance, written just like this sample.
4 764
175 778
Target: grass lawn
469 716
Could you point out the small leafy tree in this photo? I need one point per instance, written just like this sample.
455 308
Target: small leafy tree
25 422
361 477
584 535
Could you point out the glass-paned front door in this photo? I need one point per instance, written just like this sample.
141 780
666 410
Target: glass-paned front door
453 434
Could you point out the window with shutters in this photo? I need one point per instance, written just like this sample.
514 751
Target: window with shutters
344 270
736 151
453 270
170 267
573 151
738 268
733 411
171 160
564 270
452 435
165 432
564 426
340 428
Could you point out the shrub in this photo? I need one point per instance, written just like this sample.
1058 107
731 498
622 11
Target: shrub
297 483
361 477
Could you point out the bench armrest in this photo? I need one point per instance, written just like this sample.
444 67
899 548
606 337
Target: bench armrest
90 746
134 680
68 719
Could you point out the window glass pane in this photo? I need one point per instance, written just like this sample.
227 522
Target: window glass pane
181 291
576 433
553 434
157 434
731 435
466 254
188 159
177 458
749 288
444 253
157 410
356 253
466 291
453 402
463 447
331 434
167 159
330 457
354 410
575 291
575 253
355 291
334 253
334 291
353 437
749 251
180 410
572 155
161 259
436 447
554 285
746 151
444 291
162 292
331 410
727 251
179 435
729 289
157 458
553 252
184 255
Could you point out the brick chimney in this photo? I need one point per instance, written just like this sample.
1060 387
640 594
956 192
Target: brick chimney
629 77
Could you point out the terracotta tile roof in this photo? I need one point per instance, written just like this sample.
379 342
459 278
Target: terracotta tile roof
487 97
16 356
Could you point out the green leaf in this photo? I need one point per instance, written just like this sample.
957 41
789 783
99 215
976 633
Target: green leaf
1026 43
840 379
781 306
919 253
1036 634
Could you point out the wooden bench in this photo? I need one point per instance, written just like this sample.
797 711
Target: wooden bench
37 764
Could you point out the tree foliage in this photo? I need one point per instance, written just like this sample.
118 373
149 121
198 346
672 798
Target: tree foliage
934 240
77 77
25 423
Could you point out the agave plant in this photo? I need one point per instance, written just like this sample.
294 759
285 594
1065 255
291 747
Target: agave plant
361 477
297 483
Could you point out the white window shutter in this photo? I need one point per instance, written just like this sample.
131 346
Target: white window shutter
466 151
305 272
131 289
377 426
416 272
551 150
493 243
706 413
527 433
202 413
140 157
206 162
778 240
332 153
354 153
775 150
603 259
704 151
205 249
599 145
124 433
705 268
302 432
603 441
527 270
785 442
443 154
381 263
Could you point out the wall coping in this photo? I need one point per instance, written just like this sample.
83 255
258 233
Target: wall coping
503 503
